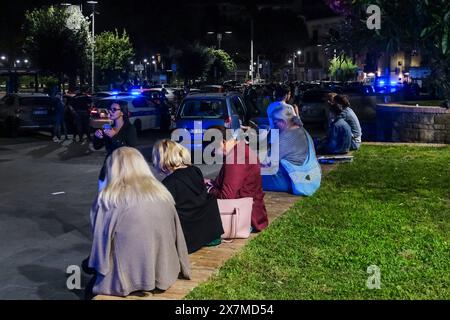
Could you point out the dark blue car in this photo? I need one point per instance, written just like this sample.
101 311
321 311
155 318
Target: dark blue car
200 111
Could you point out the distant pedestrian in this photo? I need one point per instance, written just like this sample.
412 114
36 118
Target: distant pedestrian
59 121
81 104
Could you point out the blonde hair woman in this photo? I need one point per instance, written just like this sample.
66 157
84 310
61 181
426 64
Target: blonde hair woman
138 244
197 210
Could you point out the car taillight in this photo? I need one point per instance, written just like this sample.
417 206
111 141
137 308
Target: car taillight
94 111
228 123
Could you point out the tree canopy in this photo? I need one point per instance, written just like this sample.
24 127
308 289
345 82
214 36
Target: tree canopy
406 25
221 65
113 52
342 68
57 40
193 61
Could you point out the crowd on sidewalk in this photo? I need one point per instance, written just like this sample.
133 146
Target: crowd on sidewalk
143 230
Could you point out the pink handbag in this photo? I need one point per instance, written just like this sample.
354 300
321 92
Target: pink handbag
236 215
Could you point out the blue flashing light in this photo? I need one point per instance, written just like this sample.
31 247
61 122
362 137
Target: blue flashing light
115 93
393 83
382 82
135 93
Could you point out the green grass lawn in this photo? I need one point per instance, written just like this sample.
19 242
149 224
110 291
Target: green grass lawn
389 208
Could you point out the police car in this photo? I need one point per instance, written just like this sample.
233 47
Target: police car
143 113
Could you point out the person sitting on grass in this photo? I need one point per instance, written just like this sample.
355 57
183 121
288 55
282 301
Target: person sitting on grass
198 211
138 243
293 147
350 117
339 136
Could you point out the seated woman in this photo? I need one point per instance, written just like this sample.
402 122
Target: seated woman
293 147
351 118
138 243
339 136
236 180
198 211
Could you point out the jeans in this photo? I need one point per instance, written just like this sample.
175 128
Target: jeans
59 124
279 182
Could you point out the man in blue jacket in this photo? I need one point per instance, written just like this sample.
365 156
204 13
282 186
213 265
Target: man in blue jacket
339 137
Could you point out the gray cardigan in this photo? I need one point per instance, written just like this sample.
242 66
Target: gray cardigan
137 248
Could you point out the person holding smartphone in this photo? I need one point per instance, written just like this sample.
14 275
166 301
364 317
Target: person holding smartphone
120 134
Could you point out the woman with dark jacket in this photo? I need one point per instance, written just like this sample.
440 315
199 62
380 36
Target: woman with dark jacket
121 134
240 178
198 211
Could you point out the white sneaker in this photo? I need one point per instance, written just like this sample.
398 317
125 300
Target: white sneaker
55 139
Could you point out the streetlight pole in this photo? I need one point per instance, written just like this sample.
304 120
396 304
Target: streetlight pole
93 3
294 56
251 53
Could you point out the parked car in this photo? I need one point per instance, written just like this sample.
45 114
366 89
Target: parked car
26 111
314 106
155 93
213 88
144 114
200 111
104 94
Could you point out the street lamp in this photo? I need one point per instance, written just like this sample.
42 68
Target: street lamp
93 3
219 37
294 56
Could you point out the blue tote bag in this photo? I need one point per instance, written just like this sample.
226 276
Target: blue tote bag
307 177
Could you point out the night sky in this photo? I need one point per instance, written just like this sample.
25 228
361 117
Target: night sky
156 26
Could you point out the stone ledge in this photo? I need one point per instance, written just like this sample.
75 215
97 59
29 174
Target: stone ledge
410 109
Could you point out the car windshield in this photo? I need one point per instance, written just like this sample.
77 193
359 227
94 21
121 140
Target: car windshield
34 101
210 109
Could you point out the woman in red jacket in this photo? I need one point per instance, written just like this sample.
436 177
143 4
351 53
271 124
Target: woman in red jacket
236 180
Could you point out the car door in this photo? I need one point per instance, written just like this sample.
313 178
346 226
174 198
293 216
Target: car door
238 113
145 112
4 107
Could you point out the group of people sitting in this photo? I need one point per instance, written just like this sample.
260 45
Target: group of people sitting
143 229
